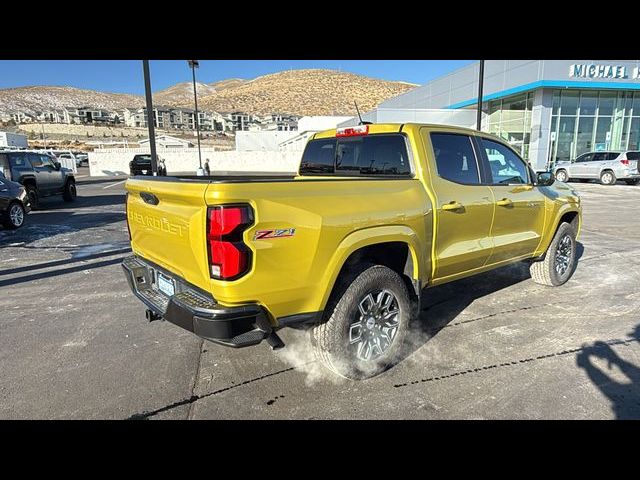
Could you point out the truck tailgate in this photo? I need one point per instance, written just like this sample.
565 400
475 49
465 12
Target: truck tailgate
167 226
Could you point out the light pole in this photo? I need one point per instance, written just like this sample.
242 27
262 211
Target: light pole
480 82
150 120
193 64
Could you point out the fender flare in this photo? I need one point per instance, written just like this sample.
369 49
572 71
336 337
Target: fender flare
565 208
372 236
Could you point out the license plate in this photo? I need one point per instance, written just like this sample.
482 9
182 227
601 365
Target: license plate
166 285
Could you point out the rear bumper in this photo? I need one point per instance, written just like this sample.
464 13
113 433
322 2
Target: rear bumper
240 326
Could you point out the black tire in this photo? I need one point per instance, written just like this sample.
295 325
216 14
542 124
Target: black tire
34 198
544 271
562 175
607 177
331 339
11 220
632 181
69 194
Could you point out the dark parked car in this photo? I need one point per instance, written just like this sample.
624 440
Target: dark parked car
40 174
140 165
14 204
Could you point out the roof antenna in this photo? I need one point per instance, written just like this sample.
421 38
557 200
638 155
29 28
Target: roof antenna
362 122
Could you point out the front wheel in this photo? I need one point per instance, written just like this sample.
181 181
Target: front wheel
607 177
15 216
367 324
69 193
32 195
562 176
559 261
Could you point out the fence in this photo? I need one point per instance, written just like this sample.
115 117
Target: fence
107 162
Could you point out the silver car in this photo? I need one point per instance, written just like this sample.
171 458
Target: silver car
608 167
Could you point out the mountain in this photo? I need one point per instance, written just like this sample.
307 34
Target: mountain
33 99
304 92
182 93
296 92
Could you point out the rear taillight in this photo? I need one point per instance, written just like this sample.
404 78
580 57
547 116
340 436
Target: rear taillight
624 161
229 257
352 131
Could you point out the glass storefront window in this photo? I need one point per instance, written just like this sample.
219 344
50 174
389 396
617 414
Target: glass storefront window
569 103
556 102
634 133
607 101
604 126
588 103
585 135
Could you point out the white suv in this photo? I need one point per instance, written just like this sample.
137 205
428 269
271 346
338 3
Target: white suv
604 166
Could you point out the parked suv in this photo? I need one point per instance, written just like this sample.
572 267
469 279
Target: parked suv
14 204
604 166
40 174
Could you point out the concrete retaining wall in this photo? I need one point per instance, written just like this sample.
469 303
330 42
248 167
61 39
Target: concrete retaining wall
106 162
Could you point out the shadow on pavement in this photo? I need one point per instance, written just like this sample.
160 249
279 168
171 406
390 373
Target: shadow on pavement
49 203
623 395
58 223
61 271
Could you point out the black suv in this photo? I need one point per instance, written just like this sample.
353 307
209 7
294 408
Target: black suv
140 165
40 174
14 204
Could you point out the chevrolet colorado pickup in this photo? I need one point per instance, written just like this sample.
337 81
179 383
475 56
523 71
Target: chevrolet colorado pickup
344 248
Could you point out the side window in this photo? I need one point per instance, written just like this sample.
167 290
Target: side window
584 158
36 160
612 155
18 160
455 158
318 156
506 167
373 155
633 155
46 161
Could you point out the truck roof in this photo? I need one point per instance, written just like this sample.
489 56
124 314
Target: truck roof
379 128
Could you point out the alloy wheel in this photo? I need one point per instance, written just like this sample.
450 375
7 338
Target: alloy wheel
375 325
563 255
16 214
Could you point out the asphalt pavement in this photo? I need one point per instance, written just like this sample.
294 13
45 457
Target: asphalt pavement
74 342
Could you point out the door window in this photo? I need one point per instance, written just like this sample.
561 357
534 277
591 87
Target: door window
584 158
506 167
455 158
36 161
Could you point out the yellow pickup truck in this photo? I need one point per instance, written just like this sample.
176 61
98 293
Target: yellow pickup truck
345 247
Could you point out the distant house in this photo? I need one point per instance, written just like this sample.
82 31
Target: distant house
166 141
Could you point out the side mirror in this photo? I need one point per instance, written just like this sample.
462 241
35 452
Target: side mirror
57 165
545 179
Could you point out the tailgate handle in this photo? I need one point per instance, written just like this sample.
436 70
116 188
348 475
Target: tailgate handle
149 198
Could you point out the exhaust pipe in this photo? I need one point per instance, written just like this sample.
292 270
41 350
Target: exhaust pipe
152 316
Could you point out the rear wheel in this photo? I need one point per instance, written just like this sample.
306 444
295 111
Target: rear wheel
607 177
15 216
632 181
559 261
32 194
368 321
562 176
69 193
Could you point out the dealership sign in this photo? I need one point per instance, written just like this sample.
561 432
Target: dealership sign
592 70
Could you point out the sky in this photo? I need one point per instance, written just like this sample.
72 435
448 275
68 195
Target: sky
125 76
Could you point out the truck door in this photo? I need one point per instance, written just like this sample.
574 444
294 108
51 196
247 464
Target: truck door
464 207
519 217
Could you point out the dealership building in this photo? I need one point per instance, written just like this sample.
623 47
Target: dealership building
548 110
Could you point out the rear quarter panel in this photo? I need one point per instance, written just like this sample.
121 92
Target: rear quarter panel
332 218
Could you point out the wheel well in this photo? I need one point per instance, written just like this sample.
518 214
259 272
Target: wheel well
394 255
30 181
570 218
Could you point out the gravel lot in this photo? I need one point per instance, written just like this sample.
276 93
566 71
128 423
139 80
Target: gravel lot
74 342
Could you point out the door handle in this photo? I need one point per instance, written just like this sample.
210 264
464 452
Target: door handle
505 202
452 206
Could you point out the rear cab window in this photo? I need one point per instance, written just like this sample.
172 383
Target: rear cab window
367 155
455 158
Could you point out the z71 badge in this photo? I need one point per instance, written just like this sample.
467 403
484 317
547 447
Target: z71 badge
276 233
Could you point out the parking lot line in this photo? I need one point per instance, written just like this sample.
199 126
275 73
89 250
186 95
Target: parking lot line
114 184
